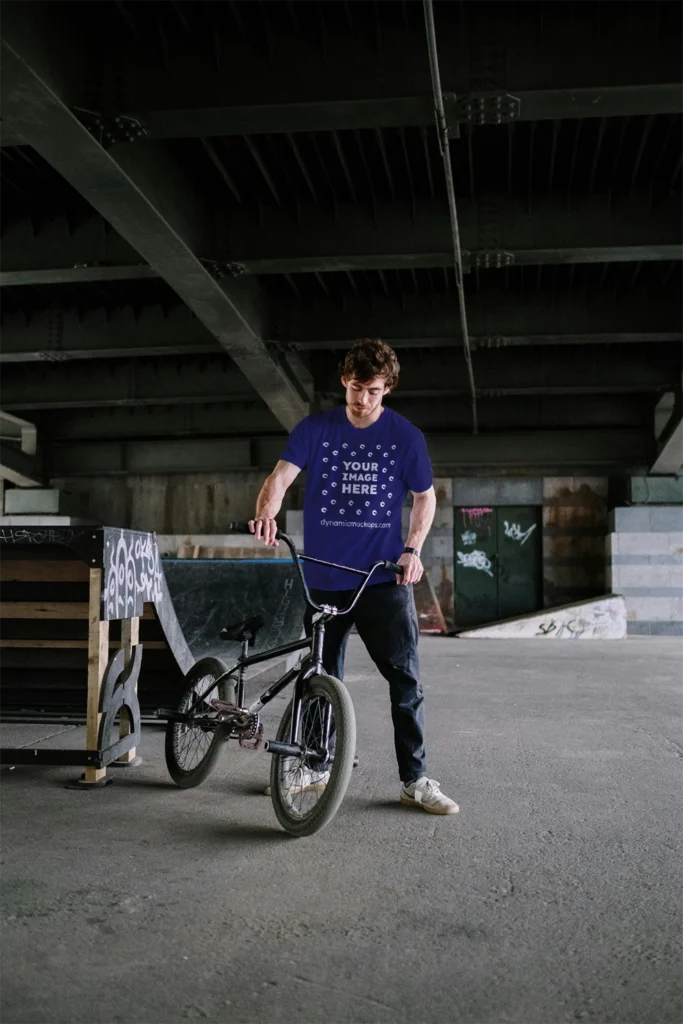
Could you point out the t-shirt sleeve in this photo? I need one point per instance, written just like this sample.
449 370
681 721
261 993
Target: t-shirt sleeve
418 475
297 450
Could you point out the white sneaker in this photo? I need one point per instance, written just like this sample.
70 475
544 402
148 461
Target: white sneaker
425 793
306 782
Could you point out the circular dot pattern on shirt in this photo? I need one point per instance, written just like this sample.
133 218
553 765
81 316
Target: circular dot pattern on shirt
361 474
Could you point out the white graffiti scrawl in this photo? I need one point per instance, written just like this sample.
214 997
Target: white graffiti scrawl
475 560
469 538
514 531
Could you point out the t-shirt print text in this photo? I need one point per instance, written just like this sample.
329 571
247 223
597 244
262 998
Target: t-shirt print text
358 482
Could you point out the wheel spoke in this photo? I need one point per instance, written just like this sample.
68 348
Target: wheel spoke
296 774
192 742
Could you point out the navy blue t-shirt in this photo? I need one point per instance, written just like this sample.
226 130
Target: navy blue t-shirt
356 485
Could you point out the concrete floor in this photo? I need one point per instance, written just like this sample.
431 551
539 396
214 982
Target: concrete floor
553 896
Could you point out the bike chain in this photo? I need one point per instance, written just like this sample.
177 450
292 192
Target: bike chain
249 725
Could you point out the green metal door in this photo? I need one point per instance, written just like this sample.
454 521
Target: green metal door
497 563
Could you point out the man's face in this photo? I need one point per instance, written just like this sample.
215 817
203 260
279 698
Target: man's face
364 397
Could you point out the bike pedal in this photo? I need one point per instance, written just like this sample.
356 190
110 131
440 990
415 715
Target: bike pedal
252 742
223 706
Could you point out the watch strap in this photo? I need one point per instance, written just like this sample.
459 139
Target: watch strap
411 551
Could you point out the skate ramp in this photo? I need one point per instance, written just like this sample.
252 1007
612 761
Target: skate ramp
601 618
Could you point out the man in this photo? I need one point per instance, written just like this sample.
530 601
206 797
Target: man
362 459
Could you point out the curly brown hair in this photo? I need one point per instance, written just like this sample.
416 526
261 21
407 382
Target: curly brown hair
371 357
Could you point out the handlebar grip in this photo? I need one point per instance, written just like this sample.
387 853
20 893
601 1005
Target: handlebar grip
243 528
239 528
392 567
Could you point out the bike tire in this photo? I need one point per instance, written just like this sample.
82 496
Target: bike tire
340 771
188 778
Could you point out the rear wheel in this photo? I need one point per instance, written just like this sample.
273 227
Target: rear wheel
192 750
307 792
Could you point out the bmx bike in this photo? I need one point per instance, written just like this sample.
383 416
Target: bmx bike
314 749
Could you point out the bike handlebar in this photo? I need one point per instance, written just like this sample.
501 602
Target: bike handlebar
243 528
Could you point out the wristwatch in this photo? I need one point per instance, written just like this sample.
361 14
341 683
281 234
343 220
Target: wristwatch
411 551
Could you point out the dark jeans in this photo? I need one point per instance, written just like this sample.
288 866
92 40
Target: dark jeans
386 621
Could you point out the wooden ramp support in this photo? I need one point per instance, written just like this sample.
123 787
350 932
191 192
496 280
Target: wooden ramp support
120 571
98 655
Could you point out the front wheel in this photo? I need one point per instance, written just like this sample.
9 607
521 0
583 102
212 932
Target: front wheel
306 792
192 750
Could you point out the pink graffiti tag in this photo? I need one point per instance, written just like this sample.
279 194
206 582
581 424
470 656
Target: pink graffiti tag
475 515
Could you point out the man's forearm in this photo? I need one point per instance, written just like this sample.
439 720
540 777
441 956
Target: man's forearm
271 496
421 519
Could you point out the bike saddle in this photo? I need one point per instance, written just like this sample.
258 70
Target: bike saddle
245 628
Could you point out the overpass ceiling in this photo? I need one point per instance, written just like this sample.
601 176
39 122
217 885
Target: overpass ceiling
301 134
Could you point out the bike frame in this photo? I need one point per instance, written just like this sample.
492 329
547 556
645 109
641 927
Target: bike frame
312 665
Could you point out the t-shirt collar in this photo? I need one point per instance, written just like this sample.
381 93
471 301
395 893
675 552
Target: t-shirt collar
344 419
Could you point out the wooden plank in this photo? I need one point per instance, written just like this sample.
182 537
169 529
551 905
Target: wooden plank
76 645
51 609
44 609
98 653
43 572
130 636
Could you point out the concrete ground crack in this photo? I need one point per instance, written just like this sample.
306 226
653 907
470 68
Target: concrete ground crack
41 739
344 992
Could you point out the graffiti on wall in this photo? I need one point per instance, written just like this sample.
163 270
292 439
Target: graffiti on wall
469 538
475 516
603 621
514 531
475 560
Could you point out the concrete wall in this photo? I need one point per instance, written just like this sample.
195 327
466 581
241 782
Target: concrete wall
437 553
198 503
645 564
574 528
201 504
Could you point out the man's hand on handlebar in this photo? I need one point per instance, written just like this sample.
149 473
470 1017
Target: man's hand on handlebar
412 569
265 530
